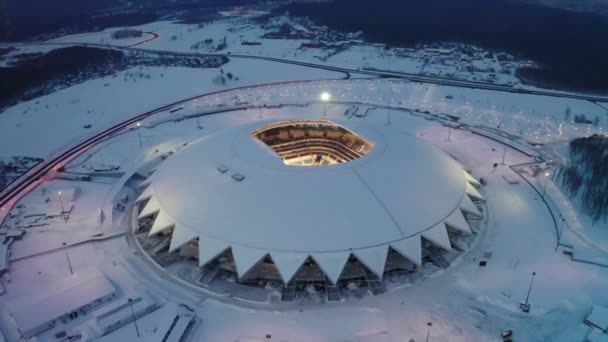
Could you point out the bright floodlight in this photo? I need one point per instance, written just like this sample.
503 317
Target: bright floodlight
59 193
547 174
325 96
138 124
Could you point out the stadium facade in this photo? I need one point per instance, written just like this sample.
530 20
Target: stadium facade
308 200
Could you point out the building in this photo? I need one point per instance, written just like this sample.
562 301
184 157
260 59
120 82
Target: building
309 200
73 296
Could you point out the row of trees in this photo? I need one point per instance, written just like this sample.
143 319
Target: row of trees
587 174
31 74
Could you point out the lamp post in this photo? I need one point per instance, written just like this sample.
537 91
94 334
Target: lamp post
561 230
133 315
388 114
138 124
260 106
504 153
68 257
428 330
525 307
547 174
325 97
62 209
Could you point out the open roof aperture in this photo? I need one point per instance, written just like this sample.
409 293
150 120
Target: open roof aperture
313 142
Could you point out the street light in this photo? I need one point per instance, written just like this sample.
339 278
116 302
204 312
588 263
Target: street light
525 307
61 203
428 331
138 124
325 97
504 152
133 316
67 256
547 174
260 106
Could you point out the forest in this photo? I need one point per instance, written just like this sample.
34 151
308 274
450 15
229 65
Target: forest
570 47
44 19
587 174
36 70
35 75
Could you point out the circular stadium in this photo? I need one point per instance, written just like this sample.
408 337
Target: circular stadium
307 202
264 173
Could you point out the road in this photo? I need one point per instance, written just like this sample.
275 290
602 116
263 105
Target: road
376 73
28 181
31 179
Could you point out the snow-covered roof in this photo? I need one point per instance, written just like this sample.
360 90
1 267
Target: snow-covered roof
402 190
73 293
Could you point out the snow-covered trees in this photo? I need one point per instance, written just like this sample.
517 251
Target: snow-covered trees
587 173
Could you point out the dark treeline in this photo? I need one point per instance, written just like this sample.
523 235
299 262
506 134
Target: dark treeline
24 19
587 173
559 40
53 65
582 79
39 74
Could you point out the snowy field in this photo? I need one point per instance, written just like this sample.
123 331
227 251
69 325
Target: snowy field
58 119
465 302
239 32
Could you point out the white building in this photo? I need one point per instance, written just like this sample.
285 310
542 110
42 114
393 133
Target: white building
302 194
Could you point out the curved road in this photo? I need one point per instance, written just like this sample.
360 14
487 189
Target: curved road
29 180
376 73
10 195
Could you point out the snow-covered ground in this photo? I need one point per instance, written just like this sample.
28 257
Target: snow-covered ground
58 119
238 33
464 303
106 37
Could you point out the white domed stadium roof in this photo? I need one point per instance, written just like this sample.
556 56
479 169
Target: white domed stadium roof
230 190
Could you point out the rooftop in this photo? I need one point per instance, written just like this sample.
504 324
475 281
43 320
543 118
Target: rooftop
401 190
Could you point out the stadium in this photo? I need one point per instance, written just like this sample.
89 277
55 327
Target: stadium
306 203
188 171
